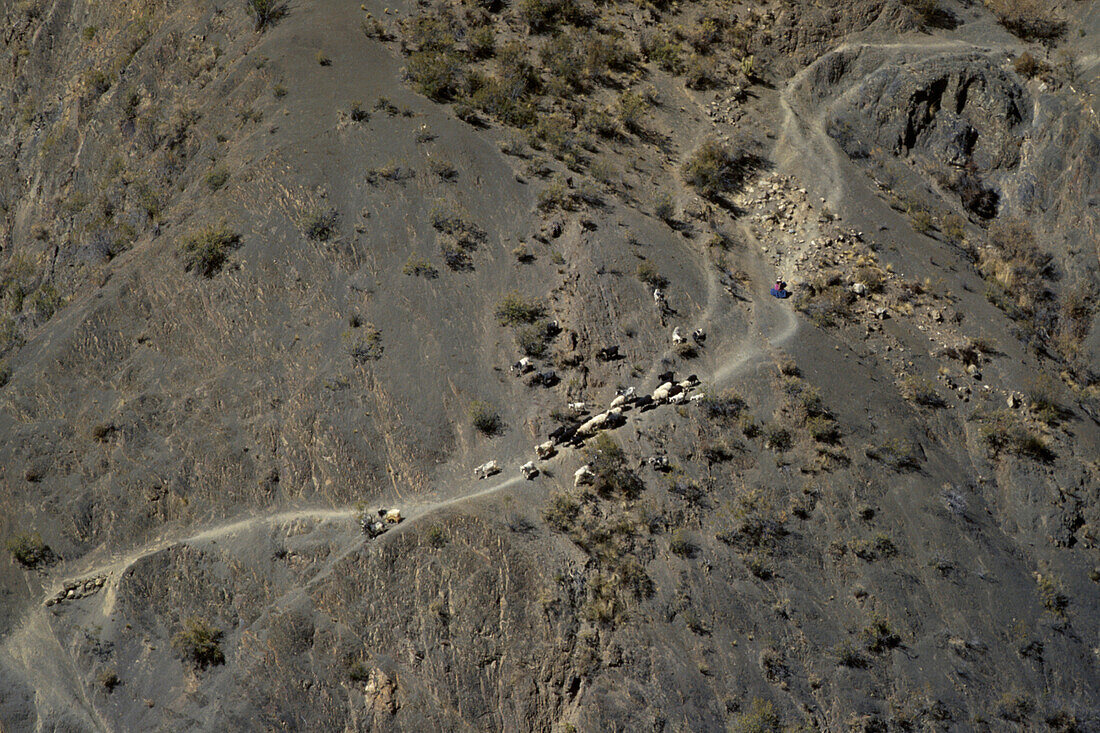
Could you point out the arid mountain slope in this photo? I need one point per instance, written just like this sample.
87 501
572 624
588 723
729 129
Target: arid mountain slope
262 275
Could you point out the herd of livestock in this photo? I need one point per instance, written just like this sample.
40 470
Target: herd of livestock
584 425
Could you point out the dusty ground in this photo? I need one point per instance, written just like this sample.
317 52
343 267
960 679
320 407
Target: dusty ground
882 516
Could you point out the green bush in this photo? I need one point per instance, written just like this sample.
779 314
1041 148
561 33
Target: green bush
515 310
28 549
199 643
485 419
207 250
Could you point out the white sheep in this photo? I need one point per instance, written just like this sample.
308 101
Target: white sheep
678 336
618 401
576 406
487 469
661 393
583 475
529 470
545 450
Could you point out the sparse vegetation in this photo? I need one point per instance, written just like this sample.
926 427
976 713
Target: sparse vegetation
206 251
199 643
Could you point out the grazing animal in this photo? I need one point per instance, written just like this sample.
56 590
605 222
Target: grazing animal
529 470
545 450
485 470
583 475
661 393
608 353
665 376
699 335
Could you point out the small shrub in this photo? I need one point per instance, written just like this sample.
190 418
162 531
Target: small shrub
358 672
108 680
485 419
199 643
28 549
514 310
761 717
725 407
1027 65
954 230
681 545
419 267
561 512
364 344
443 168
847 655
1002 432
714 169
881 637
357 113
922 392
1051 595
777 439
664 207
266 13
279 90
533 340
921 220
216 177
322 59
206 251
436 536
1031 20
897 453
319 225
482 42
648 274
613 476
633 109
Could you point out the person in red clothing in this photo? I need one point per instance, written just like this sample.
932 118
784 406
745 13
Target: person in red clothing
779 290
